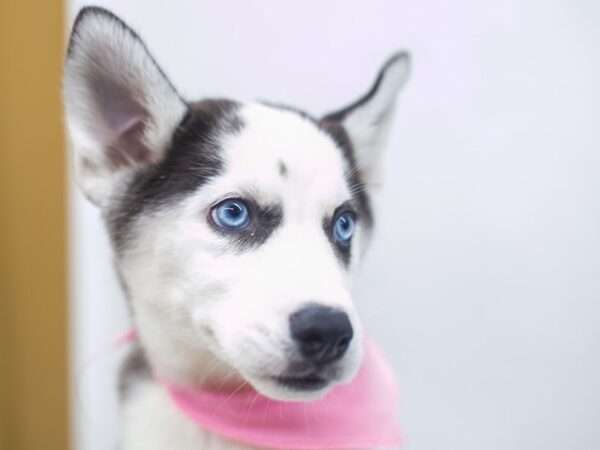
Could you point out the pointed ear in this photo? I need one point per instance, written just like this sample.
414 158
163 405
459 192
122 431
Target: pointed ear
121 110
367 121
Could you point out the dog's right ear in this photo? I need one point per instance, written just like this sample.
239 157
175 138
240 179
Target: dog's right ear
367 121
121 110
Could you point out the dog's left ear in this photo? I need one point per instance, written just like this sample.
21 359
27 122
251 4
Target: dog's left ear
367 121
121 110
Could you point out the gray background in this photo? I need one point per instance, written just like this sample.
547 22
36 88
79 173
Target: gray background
483 280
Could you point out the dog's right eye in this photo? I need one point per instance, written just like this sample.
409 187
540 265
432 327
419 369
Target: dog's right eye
343 228
231 215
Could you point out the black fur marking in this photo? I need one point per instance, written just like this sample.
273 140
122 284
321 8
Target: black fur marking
332 124
193 158
283 170
353 176
264 220
340 115
135 368
343 252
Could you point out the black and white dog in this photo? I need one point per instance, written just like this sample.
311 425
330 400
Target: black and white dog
236 228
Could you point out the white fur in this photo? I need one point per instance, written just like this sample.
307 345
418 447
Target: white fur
368 125
154 423
206 314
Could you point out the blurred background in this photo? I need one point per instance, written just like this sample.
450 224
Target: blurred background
483 281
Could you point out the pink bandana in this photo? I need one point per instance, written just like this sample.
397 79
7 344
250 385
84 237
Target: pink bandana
360 414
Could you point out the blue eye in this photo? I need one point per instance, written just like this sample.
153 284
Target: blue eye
231 215
343 228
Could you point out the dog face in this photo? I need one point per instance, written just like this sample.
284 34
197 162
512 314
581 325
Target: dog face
236 226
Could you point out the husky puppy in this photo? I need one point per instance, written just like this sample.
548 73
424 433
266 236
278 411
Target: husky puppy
236 228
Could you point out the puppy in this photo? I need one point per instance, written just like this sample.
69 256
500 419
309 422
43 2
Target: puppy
236 228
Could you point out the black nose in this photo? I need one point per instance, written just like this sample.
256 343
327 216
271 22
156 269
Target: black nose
321 332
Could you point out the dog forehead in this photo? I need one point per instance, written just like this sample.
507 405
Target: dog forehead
282 146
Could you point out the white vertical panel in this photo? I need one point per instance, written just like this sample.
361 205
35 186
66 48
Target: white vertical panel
483 279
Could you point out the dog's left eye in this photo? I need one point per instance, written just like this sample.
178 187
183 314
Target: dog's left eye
343 228
231 215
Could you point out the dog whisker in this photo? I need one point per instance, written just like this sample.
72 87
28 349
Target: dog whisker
230 396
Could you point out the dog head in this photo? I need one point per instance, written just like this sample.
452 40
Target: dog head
236 226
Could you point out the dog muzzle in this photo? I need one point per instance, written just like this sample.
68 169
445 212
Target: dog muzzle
359 414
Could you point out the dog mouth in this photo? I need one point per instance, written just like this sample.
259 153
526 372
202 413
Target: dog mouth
300 381
310 382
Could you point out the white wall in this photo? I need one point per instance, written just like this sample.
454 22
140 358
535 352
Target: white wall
483 282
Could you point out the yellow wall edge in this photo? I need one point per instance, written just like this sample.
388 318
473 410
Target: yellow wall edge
33 288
